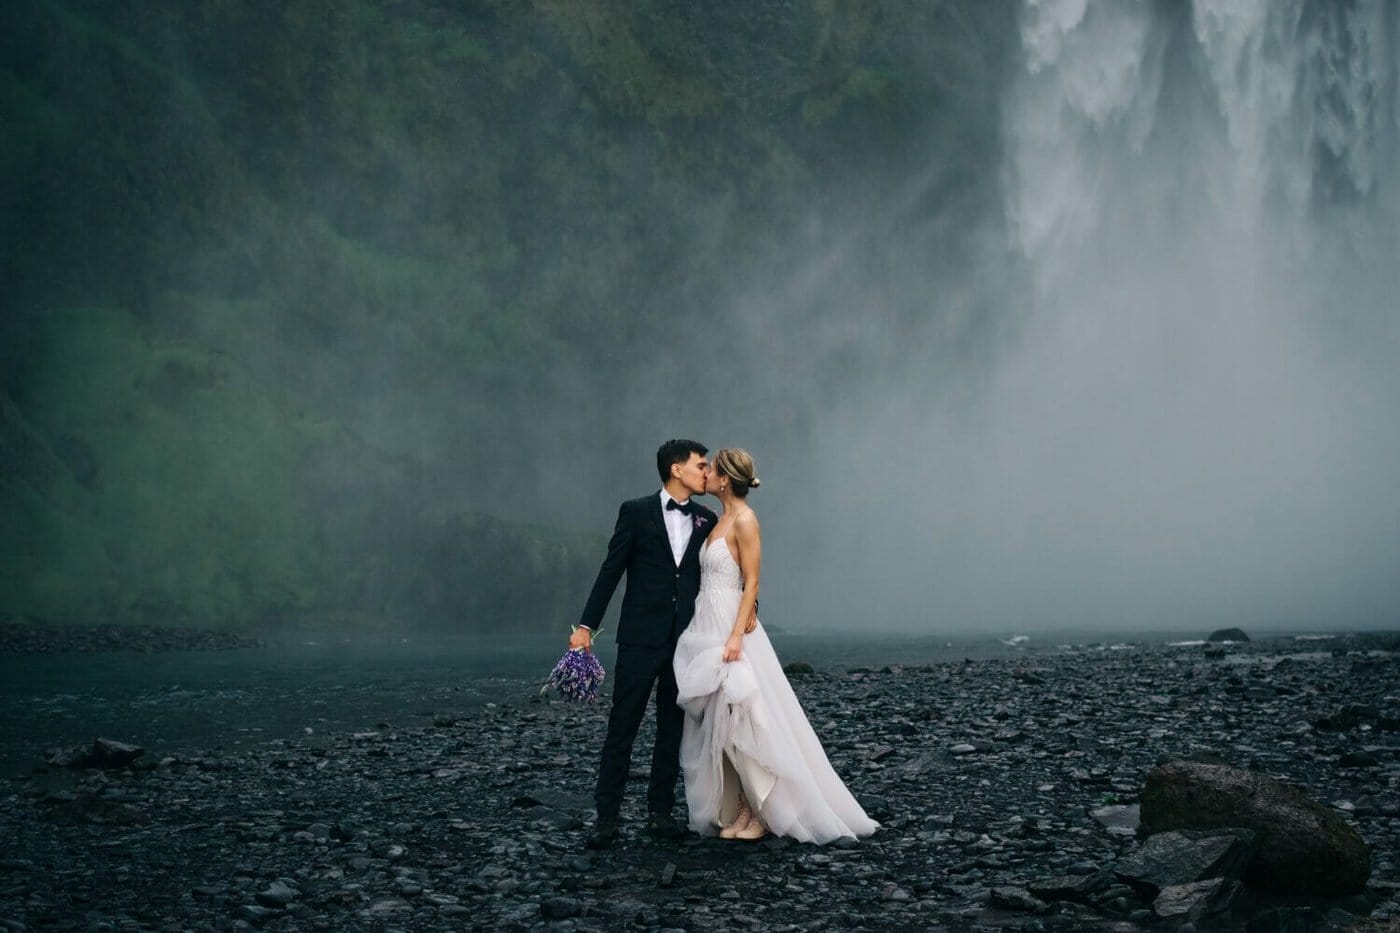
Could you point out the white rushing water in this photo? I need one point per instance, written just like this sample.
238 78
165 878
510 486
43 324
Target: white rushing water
1264 127
1193 419
1205 195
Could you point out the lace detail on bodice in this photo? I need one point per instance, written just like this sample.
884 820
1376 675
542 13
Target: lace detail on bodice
718 570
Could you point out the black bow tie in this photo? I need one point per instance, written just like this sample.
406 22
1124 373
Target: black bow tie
687 506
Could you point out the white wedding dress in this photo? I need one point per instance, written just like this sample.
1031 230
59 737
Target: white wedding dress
743 721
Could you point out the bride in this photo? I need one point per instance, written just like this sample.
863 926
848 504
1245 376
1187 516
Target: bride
751 761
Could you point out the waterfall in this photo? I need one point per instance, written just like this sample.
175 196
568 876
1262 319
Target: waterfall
1189 419
1197 417
1264 128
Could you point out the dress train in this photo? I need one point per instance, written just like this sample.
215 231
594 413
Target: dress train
745 726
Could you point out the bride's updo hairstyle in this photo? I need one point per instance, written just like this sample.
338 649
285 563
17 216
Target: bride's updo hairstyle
735 463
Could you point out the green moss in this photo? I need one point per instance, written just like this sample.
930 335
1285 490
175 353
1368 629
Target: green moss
284 281
207 502
193 463
33 125
94 31
445 45
862 87
623 69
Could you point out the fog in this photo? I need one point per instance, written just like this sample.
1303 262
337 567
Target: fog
374 314
1186 415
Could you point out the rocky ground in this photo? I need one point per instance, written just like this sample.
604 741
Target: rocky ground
1005 789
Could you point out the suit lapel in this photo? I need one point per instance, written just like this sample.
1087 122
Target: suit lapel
658 520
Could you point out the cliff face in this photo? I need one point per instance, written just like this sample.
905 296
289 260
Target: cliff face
299 295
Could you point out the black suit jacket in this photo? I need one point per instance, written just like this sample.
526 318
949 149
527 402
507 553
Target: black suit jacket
660 596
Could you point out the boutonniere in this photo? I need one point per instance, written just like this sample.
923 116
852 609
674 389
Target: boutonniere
699 521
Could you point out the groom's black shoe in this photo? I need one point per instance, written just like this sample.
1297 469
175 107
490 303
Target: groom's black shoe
605 835
664 826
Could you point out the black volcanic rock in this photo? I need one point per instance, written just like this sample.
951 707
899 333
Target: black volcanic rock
1228 634
471 809
1304 847
1197 901
109 753
1186 857
1014 898
104 753
1067 887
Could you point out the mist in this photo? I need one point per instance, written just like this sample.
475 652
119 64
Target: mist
1191 422
1035 316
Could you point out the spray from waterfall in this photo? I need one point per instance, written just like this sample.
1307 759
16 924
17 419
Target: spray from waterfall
1193 420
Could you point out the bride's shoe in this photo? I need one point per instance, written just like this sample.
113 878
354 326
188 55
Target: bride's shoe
742 820
755 830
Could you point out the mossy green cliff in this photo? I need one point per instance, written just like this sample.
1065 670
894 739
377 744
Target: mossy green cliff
298 296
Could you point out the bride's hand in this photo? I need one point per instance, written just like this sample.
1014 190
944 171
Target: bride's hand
733 648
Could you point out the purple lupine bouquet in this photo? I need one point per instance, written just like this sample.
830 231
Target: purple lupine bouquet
578 676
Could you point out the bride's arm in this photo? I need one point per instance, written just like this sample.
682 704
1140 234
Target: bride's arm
750 544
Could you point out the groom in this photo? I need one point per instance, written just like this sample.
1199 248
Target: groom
657 544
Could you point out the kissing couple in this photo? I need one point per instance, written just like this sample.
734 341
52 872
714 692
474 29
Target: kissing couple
725 713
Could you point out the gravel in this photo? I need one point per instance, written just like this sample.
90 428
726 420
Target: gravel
991 779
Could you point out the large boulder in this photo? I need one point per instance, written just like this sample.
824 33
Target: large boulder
1304 847
1228 634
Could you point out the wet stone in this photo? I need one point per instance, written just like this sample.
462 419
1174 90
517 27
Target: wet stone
1118 819
1014 898
560 908
1067 887
277 894
375 841
257 914
1178 858
1358 758
1195 901
1303 846
554 819
1228 634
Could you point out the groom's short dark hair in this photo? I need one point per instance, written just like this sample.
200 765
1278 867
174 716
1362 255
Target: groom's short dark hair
676 451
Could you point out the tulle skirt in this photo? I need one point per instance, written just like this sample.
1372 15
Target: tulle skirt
744 725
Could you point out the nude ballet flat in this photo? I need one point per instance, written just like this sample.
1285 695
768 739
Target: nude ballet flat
742 821
755 830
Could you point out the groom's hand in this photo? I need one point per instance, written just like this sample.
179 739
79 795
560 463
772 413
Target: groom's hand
582 638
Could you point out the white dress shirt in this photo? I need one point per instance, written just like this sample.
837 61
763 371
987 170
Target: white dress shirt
679 527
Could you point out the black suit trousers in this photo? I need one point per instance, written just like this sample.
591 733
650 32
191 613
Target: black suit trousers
637 670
